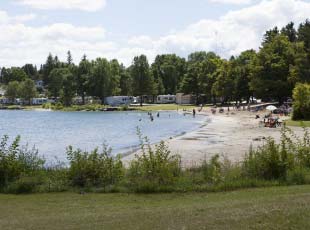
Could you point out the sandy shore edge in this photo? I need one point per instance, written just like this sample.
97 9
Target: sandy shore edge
229 134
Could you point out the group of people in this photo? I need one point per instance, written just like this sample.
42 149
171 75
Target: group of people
272 122
150 114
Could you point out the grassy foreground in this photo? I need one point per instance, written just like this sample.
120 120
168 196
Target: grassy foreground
265 208
298 123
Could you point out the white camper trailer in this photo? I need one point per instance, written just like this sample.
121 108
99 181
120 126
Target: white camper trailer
119 100
166 99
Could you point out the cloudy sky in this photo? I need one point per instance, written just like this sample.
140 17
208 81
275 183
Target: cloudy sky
30 29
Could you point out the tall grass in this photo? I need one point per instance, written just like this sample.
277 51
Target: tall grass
155 169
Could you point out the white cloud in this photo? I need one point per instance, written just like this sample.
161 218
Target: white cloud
87 5
234 32
228 35
234 2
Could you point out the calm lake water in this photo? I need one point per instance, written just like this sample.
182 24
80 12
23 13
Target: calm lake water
52 132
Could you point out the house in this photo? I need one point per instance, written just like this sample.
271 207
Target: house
166 99
183 99
119 100
39 84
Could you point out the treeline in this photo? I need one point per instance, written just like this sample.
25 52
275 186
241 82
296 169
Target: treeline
271 73
155 170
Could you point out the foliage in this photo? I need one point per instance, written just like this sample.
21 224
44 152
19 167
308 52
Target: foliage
12 90
274 161
94 168
28 90
142 80
17 162
155 169
301 97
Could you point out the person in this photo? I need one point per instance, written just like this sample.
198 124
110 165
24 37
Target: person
194 112
158 114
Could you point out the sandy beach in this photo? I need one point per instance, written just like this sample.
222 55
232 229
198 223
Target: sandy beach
225 134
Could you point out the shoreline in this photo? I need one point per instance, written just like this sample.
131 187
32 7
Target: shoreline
229 135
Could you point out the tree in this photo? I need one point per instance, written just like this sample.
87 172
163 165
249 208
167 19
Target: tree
48 67
69 58
242 71
271 70
28 90
304 35
301 104
82 78
290 32
143 83
125 82
115 77
13 74
168 71
13 90
270 35
224 84
100 81
31 71
69 89
56 81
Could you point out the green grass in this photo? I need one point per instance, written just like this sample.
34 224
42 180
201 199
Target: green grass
268 208
297 123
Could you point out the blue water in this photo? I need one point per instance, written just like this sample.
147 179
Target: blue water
51 132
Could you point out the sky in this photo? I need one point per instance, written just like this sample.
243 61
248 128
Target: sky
122 29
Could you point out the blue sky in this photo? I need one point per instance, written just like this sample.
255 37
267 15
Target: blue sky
30 29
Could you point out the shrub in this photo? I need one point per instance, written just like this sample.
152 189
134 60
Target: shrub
154 170
301 105
24 185
94 168
16 161
269 162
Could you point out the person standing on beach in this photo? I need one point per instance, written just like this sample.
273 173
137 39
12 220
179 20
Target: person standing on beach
194 112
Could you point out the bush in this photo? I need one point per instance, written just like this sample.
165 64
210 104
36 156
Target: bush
16 162
298 176
269 162
154 170
94 168
301 105
24 185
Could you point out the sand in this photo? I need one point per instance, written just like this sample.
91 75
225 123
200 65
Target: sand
228 135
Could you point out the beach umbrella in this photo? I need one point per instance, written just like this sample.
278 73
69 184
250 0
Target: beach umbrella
271 108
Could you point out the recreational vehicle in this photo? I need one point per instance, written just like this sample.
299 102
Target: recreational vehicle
166 99
119 100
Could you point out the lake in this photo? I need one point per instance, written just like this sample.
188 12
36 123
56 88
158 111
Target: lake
51 132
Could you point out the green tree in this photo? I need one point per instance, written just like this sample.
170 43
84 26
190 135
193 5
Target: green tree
83 77
168 71
301 97
242 72
143 83
56 81
28 90
224 85
100 81
290 32
125 82
271 69
31 71
13 90
48 67
115 77
68 90
69 58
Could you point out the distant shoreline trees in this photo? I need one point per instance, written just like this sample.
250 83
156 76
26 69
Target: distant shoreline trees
271 73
